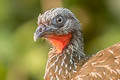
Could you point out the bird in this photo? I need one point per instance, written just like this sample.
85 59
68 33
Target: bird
67 59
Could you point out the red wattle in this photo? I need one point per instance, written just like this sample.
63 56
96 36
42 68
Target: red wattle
60 41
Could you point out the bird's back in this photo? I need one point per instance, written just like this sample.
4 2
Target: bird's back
105 65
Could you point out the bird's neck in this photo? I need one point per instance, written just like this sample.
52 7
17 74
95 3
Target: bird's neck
63 66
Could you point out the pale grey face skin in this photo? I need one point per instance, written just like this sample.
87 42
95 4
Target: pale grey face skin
58 21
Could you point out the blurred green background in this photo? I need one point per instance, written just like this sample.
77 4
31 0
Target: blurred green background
22 59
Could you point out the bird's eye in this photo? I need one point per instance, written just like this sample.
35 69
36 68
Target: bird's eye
59 20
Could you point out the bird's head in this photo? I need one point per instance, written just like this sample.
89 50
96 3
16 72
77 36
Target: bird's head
57 25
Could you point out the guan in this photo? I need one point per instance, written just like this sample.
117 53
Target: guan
67 60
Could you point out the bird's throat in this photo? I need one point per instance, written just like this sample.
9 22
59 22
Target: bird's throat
60 41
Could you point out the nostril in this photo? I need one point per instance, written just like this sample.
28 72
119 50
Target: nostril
40 29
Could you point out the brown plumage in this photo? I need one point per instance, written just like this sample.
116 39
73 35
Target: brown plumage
105 65
66 60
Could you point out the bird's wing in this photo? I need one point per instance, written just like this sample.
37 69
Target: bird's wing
105 65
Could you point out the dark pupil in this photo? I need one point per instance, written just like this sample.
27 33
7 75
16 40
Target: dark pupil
59 20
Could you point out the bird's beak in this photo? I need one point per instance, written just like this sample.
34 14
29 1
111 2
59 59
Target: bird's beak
40 32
